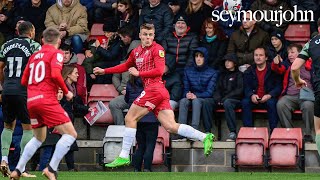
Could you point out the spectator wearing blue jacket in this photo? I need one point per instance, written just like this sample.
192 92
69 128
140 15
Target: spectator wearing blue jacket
199 83
147 129
262 87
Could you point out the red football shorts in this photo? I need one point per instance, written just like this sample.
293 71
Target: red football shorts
155 99
47 114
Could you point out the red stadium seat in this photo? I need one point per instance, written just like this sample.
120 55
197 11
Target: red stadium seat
104 93
163 142
298 33
286 148
81 58
96 31
251 146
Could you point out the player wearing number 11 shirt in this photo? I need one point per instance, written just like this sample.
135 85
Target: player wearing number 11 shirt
42 77
14 56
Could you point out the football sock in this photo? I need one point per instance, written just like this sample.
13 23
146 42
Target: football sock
6 139
190 132
128 138
31 148
26 137
62 147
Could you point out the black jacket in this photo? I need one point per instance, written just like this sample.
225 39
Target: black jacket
217 49
173 84
230 86
162 18
179 50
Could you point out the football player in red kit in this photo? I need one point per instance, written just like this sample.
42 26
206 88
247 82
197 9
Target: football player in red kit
147 61
42 77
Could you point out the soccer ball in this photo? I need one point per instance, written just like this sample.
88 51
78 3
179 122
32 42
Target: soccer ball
232 5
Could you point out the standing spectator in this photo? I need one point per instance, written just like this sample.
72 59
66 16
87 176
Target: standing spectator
104 9
215 41
197 11
177 11
180 46
160 15
245 40
262 88
70 17
199 84
228 94
90 11
35 12
290 99
13 61
147 129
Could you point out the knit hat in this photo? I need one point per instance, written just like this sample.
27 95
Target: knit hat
181 17
110 25
231 57
174 3
278 34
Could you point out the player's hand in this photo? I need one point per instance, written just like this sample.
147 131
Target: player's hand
69 96
98 71
301 83
133 71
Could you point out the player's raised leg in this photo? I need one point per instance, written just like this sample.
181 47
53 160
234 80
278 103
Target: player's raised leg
166 118
134 114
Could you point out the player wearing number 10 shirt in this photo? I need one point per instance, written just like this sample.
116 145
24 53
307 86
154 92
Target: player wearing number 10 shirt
42 77
14 56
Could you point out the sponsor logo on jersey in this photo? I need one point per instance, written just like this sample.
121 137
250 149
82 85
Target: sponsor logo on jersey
139 60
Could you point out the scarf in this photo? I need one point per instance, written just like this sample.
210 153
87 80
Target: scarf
210 39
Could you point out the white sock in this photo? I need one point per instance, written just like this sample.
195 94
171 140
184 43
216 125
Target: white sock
62 147
190 132
128 138
29 150
5 158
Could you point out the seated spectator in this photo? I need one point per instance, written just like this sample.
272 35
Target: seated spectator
104 9
215 41
35 12
197 11
228 94
173 85
199 83
175 6
127 14
147 129
278 47
70 58
70 17
6 20
290 99
245 40
262 87
270 6
179 46
160 15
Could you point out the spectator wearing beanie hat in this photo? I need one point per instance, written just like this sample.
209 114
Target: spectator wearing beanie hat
278 47
228 94
179 46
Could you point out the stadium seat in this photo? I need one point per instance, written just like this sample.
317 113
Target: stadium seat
299 33
96 31
286 148
250 148
104 93
162 151
112 142
81 58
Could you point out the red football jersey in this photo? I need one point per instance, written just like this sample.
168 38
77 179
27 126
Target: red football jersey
42 75
149 61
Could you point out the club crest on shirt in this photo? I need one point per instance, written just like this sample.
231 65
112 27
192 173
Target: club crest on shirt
59 57
161 53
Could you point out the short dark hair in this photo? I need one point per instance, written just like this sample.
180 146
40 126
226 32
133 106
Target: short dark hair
25 27
262 47
51 35
127 30
294 45
65 47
